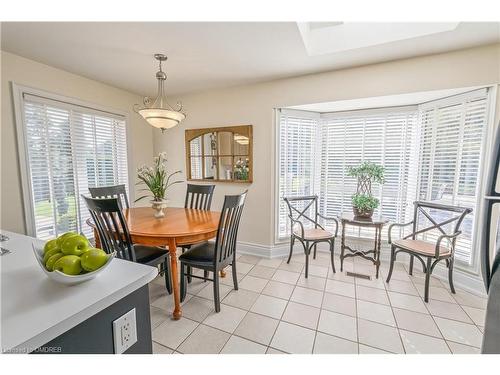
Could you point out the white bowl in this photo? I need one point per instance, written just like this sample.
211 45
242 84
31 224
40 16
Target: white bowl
62 278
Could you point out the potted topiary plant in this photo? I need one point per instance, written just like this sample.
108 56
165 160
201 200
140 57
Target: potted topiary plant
363 202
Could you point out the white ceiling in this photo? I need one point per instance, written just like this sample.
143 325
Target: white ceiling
207 55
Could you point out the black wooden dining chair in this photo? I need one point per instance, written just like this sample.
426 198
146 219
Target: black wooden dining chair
215 256
198 197
113 191
298 209
115 237
438 217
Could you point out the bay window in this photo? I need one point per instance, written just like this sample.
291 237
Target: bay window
430 151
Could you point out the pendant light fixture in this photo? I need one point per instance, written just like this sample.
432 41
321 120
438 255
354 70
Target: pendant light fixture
159 113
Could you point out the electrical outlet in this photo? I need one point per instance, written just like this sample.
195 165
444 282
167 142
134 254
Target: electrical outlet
125 331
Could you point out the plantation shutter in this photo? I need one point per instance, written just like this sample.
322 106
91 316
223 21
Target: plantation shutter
297 153
69 149
452 133
382 137
315 152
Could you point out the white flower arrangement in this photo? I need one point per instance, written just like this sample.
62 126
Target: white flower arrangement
156 178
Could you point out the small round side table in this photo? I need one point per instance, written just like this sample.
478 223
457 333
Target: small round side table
376 222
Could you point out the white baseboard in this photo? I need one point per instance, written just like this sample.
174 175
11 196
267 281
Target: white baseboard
462 280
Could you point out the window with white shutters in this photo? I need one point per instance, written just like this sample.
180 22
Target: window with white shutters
315 152
69 148
382 137
430 152
297 154
452 133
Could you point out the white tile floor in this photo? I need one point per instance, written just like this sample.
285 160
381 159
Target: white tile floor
277 310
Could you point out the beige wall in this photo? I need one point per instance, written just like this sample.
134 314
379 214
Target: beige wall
253 104
33 74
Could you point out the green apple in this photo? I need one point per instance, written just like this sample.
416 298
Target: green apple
74 245
50 245
68 264
49 253
93 259
49 265
62 237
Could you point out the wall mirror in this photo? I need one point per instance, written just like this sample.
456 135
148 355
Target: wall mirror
220 154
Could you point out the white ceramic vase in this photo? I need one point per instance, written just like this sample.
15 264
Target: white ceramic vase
158 207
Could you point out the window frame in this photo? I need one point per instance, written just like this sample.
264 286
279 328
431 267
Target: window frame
18 92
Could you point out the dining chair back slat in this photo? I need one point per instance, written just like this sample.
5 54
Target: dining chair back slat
199 196
225 243
111 226
114 191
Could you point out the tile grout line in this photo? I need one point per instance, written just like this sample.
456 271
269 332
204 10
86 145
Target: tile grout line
356 310
246 314
320 310
247 311
279 320
395 320
434 320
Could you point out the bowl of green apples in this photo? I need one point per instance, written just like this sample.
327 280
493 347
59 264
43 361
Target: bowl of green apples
70 259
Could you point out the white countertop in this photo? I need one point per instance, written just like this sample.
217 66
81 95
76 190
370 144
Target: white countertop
36 309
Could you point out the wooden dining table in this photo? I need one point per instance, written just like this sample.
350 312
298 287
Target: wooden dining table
180 226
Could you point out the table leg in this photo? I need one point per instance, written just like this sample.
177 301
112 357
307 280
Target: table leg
97 240
377 247
342 247
172 249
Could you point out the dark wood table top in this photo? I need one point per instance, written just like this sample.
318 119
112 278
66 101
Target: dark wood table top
375 220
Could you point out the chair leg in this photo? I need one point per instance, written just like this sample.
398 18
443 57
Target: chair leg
393 259
427 279
183 283
167 275
307 251
332 249
450 275
188 269
315 246
292 241
410 271
216 291
235 277
205 276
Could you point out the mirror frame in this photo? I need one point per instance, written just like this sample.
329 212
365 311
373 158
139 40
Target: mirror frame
191 134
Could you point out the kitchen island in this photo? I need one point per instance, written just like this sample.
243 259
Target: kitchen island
39 315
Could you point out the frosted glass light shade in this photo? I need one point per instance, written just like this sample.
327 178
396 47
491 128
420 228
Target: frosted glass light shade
162 118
